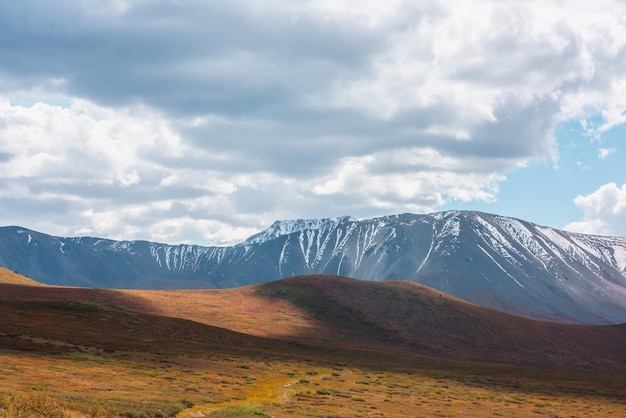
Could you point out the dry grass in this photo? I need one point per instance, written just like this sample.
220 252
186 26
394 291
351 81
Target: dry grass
77 353
12 277
292 382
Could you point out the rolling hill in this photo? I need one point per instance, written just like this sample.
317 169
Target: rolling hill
313 345
11 277
341 312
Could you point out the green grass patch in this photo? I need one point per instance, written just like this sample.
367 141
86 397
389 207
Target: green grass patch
239 411
78 355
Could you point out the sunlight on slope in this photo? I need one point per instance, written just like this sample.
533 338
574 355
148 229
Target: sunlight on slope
8 276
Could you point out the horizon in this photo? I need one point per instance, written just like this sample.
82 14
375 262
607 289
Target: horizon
204 123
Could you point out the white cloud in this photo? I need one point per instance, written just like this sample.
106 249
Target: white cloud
82 142
188 121
604 211
417 179
603 153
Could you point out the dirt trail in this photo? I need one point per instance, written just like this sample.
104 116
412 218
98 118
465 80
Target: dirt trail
266 391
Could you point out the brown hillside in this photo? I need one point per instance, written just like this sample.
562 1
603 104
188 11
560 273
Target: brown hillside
435 323
382 316
72 352
8 276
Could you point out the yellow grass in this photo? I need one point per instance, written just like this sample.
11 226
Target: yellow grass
8 276
66 385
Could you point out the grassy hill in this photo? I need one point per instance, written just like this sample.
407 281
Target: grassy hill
306 346
11 277
434 323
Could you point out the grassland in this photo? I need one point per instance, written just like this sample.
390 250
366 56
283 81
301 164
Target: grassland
255 352
12 277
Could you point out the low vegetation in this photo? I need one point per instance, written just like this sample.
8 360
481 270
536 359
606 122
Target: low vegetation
13 277
67 357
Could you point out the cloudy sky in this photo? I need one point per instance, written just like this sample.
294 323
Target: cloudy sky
204 121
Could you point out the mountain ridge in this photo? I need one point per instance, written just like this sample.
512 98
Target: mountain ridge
499 262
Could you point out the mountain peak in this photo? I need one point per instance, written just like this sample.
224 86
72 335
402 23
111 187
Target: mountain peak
286 227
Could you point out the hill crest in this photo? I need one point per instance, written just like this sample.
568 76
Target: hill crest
12 277
339 312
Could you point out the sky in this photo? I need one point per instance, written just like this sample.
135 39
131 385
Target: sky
204 121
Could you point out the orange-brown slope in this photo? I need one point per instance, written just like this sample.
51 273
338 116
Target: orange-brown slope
71 324
240 309
8 276
436 323
339 311
247 310
390 316
10 292
49 318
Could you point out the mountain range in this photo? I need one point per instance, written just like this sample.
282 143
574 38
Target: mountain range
497 262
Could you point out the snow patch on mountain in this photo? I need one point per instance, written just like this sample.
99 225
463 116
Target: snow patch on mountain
499 266
280 228
500 243
619 257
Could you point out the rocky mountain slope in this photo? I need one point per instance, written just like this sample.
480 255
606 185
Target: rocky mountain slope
497 262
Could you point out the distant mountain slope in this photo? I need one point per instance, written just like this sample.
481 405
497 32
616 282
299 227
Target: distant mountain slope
498 262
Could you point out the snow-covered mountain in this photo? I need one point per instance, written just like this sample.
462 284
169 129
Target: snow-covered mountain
494 261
